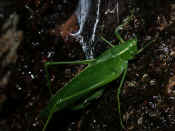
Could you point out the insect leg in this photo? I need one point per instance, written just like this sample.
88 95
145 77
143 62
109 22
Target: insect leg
118 94
109 43
126 21
146 45
87 100
118 35
48 64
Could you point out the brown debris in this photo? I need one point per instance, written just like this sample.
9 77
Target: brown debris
36 2
169 87
67 28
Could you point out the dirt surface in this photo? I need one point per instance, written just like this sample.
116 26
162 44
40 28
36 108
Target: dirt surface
147 98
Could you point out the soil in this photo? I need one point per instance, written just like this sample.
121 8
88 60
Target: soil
147 97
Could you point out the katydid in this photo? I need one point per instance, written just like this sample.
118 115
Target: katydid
99 72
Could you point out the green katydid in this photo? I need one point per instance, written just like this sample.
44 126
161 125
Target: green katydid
100 71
